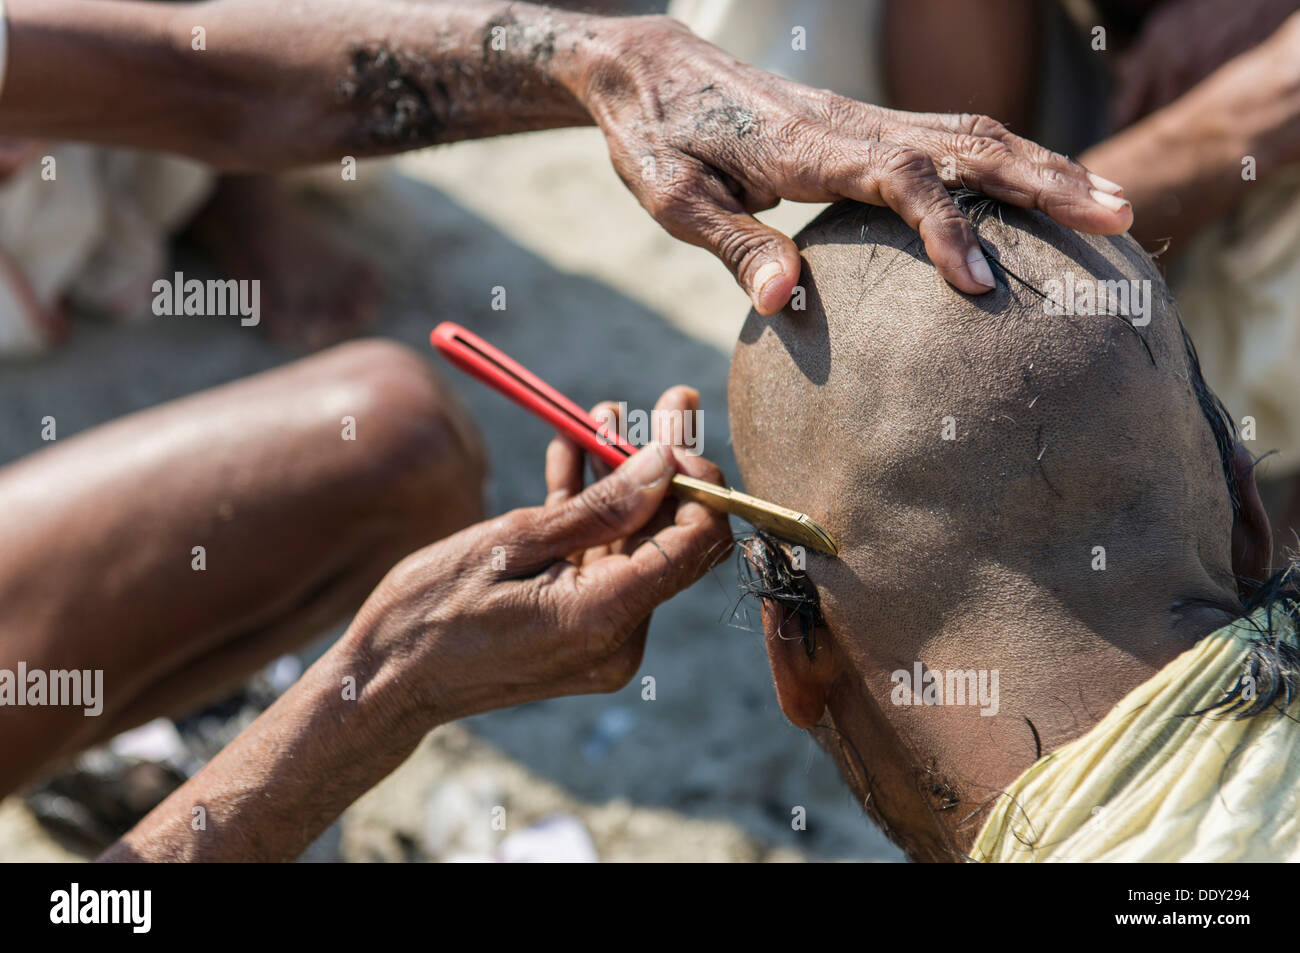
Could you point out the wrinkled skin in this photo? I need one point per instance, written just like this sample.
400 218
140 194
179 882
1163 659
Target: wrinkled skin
704 141
701 139
569 611
452 630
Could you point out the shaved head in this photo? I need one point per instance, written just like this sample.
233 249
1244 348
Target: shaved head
911 419
1011 487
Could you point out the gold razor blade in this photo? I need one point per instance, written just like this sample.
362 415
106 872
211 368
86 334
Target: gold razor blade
477 357
790 525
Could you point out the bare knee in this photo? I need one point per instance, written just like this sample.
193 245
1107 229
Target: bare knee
413 439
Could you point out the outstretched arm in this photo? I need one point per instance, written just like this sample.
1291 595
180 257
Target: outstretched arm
703 140
539 603
243 84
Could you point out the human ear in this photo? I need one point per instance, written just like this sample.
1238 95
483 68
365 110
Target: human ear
803 680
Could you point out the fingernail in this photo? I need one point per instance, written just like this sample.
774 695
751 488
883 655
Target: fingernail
979 269
648 467
1112 202
1106 185
764 277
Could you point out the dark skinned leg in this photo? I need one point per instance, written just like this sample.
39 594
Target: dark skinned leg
315 292
297 526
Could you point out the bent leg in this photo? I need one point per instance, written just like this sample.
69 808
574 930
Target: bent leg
181 548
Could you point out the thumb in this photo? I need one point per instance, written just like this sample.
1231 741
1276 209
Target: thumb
609 509
764 261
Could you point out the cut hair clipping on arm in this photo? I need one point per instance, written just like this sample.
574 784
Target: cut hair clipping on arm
478 358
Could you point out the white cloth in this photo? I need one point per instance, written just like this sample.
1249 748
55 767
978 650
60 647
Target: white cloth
95 233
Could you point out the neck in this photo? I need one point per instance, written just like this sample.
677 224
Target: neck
967 706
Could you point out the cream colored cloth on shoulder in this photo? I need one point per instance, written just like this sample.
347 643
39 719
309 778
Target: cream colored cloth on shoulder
1152 782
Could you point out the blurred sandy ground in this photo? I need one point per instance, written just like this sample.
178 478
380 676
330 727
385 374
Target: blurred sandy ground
603 304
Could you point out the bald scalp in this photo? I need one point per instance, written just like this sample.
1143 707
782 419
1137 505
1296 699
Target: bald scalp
921 426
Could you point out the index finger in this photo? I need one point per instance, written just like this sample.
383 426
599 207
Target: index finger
980 153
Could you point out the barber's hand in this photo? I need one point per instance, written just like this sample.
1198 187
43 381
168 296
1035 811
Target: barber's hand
704 141
548 601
